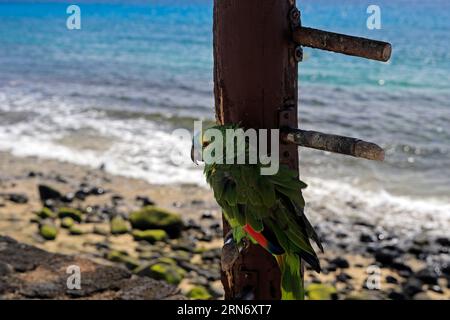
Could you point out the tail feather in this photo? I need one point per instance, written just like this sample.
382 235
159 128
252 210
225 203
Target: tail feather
291 279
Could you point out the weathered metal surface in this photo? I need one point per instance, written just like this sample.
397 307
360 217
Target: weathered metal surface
255 74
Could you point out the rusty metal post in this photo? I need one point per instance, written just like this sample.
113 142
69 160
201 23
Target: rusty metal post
255 76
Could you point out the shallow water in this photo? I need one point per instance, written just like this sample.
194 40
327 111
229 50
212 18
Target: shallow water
112 92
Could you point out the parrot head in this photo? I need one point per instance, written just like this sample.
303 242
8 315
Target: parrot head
198 143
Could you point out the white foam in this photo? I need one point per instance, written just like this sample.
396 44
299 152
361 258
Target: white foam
379 207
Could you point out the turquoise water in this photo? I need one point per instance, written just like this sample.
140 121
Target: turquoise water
113 91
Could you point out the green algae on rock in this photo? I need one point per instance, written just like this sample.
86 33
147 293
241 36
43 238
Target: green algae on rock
150 236
46 213
48 231
119 225
122 257
199 293
319 291
170 273
67 222
75 214
151 217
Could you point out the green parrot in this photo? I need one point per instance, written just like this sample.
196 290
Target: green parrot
267 209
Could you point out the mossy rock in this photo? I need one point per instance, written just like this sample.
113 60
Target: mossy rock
199 293
75 230
46 213
123 257
319 291
150 236
151 217
170 273
115 255
67 222
48 231
119 225
75 214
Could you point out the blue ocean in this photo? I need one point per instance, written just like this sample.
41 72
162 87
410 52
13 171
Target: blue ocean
112 92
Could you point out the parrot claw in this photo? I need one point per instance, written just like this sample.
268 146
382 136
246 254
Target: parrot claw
230 252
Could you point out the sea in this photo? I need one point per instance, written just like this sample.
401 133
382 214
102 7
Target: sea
113 92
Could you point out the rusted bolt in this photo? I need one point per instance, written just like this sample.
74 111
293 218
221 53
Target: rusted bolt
298 54
294 16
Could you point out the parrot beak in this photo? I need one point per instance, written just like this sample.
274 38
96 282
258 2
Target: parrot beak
196 149
194 160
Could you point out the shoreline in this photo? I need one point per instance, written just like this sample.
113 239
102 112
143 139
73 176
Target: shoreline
354 237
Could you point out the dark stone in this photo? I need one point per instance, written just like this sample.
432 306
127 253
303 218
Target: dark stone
60 179
48 193
391 279
341 235
188 266
385 256
205 237
395 295
211 275
428 276
212 254
97 283
394 248
116 198
340 263
215 226
184 246
68 198
191 224
364 224
445 242
366 238
331 267
82 194
400 266
41 290
412 287
197 202
19 198
444 250
415 250
145 201
343 277
207 215
31 174
96 191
